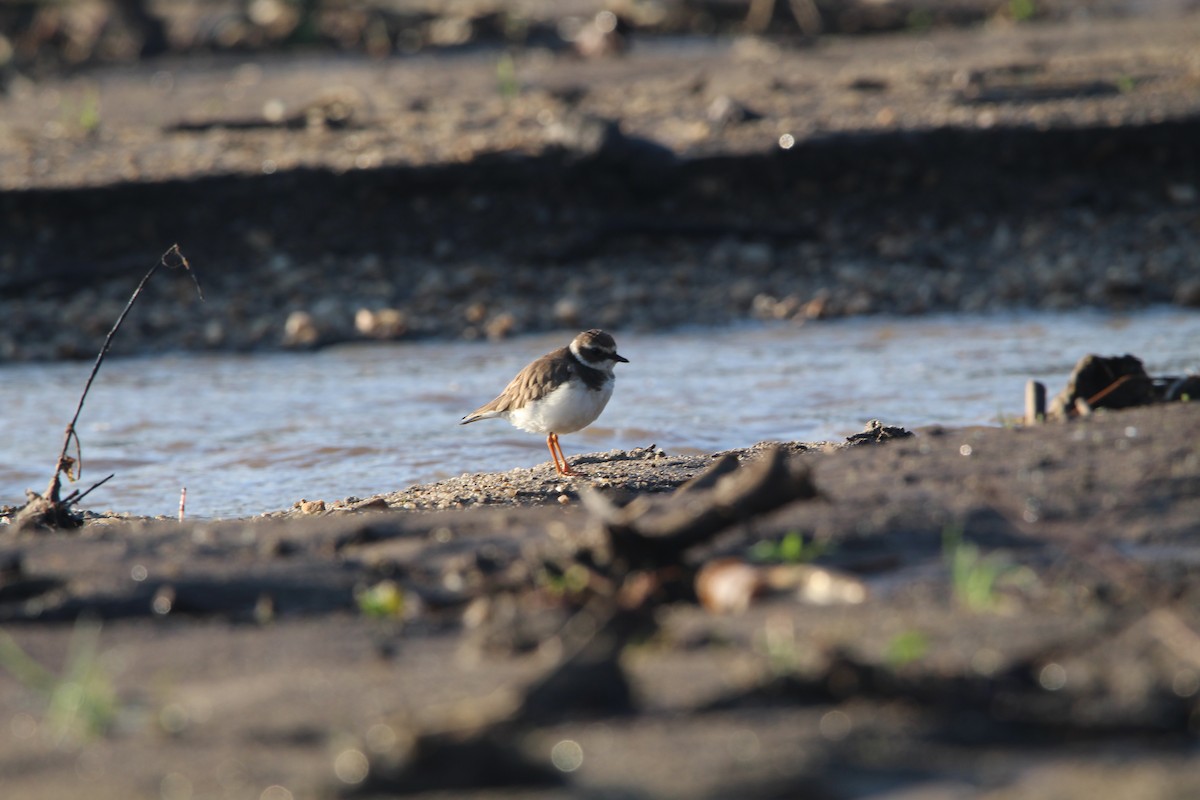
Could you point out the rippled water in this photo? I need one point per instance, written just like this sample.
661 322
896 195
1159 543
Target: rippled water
248 434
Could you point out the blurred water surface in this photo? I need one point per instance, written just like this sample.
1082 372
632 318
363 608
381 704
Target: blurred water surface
248 434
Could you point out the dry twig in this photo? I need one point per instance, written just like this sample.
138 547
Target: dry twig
49 510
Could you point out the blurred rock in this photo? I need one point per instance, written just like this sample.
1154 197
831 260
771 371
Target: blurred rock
1188 294
384 323
300 330
724 111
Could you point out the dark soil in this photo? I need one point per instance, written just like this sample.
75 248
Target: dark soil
1029 629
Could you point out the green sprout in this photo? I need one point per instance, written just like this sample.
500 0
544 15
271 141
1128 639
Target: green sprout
89 112
907 647
791 549
973 574
569 582
1022 10
506 77
384 600
919 20
82 702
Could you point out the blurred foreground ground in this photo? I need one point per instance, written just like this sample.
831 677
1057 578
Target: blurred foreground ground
1029 630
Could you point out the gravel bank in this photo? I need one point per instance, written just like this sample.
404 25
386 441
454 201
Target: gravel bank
325 200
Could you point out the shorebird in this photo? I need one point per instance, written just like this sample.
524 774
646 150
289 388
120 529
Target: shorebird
562 392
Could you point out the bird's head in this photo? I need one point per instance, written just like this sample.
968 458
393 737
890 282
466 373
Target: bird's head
596 349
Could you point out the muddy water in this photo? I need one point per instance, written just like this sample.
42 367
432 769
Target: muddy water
249 434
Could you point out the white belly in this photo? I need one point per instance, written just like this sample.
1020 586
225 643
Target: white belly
568 408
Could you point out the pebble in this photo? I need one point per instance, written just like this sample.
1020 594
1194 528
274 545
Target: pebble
384 323
300 330
1188 294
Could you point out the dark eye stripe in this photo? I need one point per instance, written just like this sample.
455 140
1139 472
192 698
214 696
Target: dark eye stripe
594 353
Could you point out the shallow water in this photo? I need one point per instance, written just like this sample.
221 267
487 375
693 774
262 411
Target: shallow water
249 434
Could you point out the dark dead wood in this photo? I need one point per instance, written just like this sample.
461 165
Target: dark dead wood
1104 382
1035 402
875 432
76 496
649 533
724 465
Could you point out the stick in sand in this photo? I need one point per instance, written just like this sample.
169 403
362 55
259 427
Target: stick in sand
51 508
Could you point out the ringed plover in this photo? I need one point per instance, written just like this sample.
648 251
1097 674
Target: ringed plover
562 392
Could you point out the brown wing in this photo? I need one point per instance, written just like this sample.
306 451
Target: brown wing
532 383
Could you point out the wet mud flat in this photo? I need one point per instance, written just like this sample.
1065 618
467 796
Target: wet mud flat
490 193
998 612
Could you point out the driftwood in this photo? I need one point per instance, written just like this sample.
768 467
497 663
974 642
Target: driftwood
1118 382
875 432
650 533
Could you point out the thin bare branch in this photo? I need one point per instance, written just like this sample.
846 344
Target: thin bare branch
63 463
94 486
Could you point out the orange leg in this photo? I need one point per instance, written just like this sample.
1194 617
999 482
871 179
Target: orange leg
560 459
553 453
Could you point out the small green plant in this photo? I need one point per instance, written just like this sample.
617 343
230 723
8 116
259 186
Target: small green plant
81 703
778 644
1126 84
973 574
906 647
383 600
89 112
571 581
919 20
1022 10
791 549
506 77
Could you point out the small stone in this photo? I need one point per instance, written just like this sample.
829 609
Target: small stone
1188 294
384 323
300 330
727 586
1183 194
818 307
274 110
500 326
214 332
311 506
475 313
374 504
566 311
763 306
724 111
